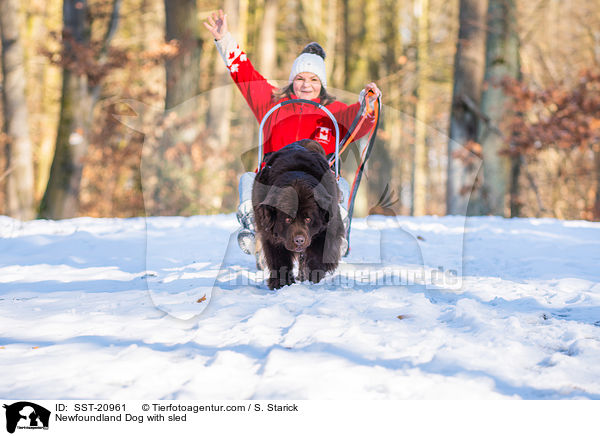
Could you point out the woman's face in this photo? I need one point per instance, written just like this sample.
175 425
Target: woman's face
307 85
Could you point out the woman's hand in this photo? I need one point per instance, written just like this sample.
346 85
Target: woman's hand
217 24
376 93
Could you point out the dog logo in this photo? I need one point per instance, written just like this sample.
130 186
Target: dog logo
26 415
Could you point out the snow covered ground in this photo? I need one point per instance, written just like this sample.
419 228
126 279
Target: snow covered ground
126 308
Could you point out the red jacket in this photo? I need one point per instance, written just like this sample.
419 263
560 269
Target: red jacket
294 121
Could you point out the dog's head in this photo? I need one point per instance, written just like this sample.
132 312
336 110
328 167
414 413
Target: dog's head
292 215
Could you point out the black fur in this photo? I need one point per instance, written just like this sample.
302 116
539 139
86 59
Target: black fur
295 199
314 48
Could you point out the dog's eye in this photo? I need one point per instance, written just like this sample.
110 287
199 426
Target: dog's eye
307 219
288 220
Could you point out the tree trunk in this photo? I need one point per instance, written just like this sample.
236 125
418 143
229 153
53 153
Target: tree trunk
242 27
332 29
183 70
469 66
516 203
42 81
346 45
268 40
218 120
597 198
61 199
19 154
393 115
381 20
220 95
502 55
420 151
80 94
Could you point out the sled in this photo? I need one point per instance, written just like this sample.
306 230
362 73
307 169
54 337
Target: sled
340 146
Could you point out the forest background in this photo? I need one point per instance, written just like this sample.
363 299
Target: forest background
119 108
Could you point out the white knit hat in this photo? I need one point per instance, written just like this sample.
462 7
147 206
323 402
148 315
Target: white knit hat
309 63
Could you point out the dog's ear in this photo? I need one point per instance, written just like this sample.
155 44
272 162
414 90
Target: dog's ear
322 197
284 199
272 197
324 203
265 217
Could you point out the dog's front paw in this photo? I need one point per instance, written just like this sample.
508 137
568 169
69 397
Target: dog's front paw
316 275
280 278
280 282
315 272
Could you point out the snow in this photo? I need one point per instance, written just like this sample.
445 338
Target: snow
423 308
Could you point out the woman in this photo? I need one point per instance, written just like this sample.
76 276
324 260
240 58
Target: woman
292 122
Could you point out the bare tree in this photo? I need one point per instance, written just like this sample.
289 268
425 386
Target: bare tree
343 69
219 111
381 22
183 70
596 211
19 154
268 40
420 151
502 61
83 70
469 65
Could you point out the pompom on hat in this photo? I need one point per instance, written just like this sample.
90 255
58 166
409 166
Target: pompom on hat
311 60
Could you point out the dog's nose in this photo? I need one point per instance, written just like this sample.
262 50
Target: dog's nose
299 240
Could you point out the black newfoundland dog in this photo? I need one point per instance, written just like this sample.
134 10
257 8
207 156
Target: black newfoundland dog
295 199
